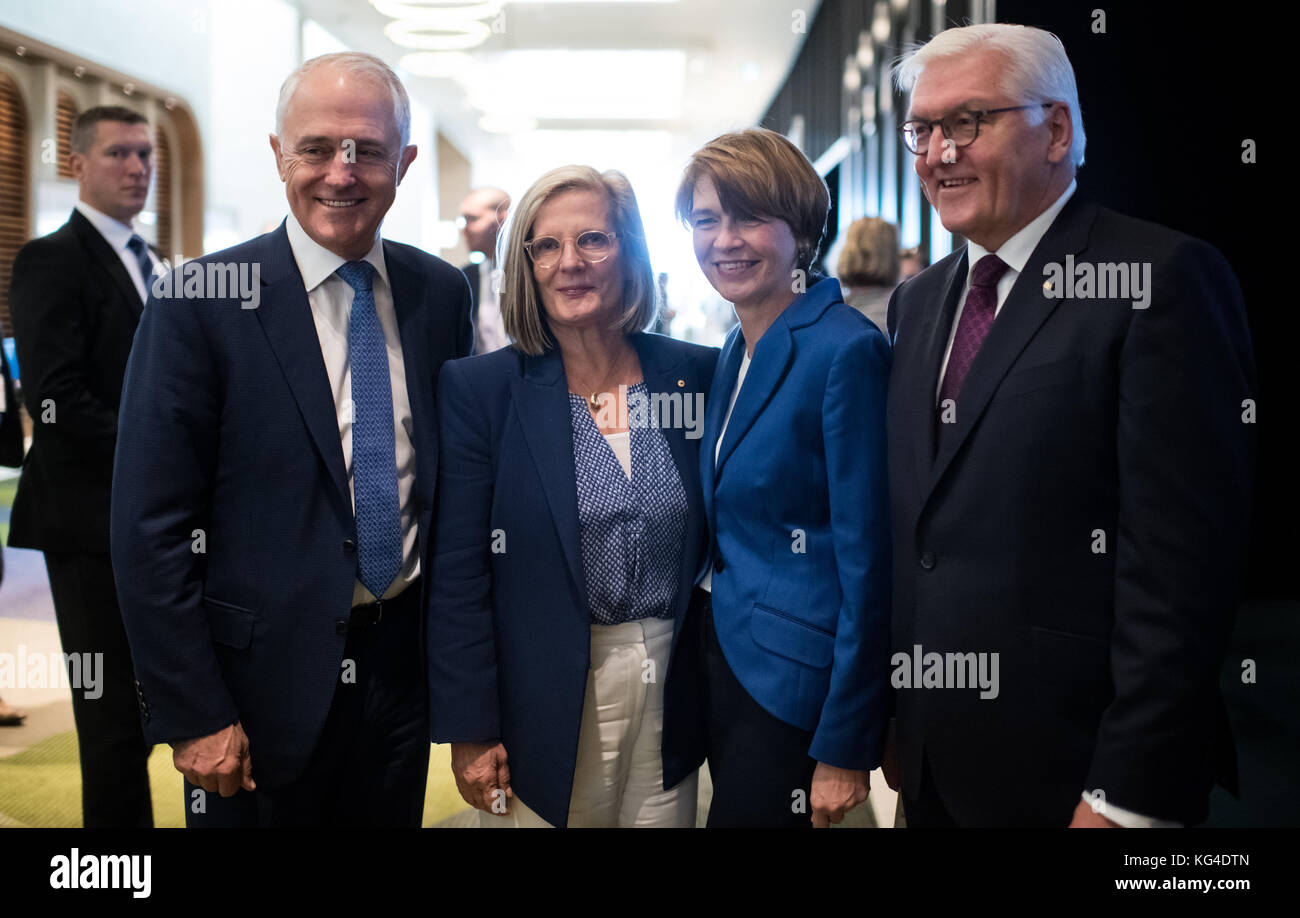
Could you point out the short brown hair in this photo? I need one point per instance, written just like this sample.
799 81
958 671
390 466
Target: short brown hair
870 254
86 127
521 304
760 174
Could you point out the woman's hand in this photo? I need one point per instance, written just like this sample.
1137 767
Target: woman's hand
835 791
482 776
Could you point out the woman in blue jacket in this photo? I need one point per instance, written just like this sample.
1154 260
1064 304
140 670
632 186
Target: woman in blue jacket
792 609
570 529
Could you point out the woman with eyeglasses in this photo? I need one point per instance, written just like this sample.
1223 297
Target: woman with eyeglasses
570 528
793 610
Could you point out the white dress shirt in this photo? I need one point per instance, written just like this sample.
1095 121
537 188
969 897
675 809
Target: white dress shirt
330 298
1015 253
707 582
117 235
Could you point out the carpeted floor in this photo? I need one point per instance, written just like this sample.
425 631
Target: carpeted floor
41 787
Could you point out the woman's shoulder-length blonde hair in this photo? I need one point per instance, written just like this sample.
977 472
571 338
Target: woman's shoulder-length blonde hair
521 305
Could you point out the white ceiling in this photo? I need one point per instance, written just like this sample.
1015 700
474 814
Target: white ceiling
654 77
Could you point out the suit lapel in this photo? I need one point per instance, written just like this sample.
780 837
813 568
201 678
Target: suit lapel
932 338
772 355
285 315
408 298
724 381
108 259
541 398
1023 313
662 369
661 372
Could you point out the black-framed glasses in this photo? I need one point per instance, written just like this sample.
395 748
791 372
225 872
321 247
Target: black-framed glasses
593 247
961 127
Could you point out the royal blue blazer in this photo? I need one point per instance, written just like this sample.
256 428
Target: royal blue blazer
798 508
509 628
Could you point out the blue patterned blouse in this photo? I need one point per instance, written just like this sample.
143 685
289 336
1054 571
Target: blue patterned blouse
631 530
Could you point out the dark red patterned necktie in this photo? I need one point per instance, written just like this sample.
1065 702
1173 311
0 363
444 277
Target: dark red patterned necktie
973 327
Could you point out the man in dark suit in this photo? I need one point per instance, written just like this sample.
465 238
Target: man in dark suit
273 491
11 454
1070 470
481 215
76 297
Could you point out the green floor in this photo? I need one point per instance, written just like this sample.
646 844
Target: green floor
7 488
41 786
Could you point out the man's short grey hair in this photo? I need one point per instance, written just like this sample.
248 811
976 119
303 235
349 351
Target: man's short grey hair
1037 70
356 62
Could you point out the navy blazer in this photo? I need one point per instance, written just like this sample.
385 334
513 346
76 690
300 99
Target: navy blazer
75 310
1085 518
799 508
228 426
509 626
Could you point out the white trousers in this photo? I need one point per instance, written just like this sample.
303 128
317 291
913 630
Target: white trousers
618 779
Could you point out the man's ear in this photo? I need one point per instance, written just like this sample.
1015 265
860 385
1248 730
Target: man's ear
77 164
1062 128
279 158
408 156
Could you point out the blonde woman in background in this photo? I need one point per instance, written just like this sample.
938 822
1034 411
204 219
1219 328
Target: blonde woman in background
868 267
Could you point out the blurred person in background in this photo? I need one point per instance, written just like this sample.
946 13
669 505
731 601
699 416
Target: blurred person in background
791 613
664 321
868 267
910 263
482 214
11 454
76 297
569 532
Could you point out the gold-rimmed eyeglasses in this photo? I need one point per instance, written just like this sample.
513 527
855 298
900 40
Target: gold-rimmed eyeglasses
592 246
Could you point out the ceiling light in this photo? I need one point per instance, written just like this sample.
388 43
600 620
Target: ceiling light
440 37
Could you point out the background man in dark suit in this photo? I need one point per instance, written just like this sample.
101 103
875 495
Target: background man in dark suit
76 297
11 454
273 491
483 212
1070 470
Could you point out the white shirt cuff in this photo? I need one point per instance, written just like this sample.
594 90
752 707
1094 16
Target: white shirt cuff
1127 818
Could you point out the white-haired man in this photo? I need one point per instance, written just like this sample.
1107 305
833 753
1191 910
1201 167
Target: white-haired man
274 483
1070 473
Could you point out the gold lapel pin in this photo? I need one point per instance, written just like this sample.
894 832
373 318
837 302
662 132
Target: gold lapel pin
681 383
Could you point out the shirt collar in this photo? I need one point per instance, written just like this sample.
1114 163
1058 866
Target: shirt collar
316 263
115 232
1016 250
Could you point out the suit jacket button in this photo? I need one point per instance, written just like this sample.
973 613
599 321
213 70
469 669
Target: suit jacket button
927 560
341 626
349 547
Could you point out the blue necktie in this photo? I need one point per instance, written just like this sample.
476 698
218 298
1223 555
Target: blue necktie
374 452
141 250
